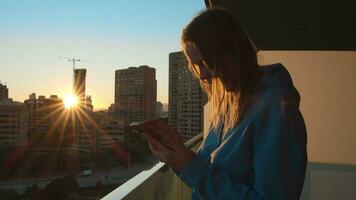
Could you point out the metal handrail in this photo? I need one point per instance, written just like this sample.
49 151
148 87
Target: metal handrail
129 186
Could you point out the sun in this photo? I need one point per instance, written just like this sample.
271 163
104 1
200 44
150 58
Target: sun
70 101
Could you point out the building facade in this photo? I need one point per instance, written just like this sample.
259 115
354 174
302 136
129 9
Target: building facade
135 94
13 123
88 103
85 130
111 131
42 113
159 109
186 98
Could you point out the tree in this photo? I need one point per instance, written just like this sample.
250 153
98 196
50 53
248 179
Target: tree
59 189
9 194
35 193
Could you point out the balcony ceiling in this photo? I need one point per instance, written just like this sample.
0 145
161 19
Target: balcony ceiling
296 25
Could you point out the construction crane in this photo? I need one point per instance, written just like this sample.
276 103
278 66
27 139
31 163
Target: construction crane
73 60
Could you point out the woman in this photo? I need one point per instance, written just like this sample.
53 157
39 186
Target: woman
256 146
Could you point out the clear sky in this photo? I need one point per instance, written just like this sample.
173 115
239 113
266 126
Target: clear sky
106 34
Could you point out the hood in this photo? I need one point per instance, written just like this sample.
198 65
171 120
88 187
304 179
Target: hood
277 75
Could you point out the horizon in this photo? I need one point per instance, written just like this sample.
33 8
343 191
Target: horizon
106 35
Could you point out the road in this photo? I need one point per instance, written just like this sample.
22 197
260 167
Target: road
106 177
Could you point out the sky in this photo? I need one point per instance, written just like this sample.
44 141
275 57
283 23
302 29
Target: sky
106 35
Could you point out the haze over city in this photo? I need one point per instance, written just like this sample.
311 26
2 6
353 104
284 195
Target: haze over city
105 35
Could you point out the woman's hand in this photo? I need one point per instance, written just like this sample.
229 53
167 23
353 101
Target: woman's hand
170 149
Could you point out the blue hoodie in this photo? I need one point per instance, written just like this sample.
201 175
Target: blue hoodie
264 157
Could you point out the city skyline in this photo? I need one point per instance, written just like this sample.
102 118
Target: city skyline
107 36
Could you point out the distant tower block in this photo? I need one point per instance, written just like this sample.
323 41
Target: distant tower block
135 93
4 92
79 85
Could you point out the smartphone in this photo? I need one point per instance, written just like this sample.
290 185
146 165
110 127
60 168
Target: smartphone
145 130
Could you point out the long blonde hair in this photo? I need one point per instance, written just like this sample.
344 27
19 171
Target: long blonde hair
231 55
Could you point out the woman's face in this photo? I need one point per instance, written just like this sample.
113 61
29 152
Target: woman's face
197 63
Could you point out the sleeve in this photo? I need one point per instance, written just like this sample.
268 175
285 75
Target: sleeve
278 169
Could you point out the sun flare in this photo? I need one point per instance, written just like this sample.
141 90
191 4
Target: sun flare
70 101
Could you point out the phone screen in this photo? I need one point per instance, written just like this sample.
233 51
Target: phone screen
145 130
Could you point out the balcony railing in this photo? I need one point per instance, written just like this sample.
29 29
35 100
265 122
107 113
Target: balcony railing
322 181
159 182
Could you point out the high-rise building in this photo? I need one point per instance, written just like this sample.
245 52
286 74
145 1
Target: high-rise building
186 98
135 93
13 122
79 85
86 137
4 92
